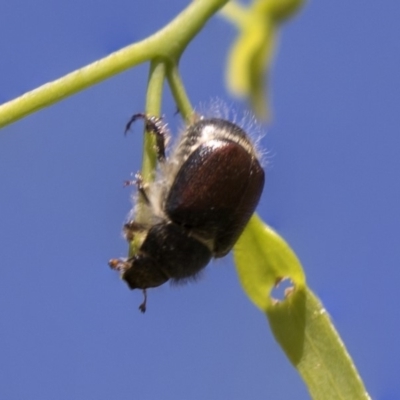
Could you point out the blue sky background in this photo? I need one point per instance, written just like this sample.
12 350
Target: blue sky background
70 329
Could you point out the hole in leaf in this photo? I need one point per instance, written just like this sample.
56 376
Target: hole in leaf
282 289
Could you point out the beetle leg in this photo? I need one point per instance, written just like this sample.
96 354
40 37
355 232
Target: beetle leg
141 187
142 306
132 227
156 126
119 265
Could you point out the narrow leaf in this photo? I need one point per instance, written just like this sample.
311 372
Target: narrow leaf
299 323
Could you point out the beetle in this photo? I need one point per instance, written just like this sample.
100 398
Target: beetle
196 210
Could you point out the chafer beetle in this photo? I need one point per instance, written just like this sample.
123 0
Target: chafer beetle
203 198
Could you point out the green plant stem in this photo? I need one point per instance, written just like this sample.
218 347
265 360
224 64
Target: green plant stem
168 43
179 92
154 96
153 107
235 13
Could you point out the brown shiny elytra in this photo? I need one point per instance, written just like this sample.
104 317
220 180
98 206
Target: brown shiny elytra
206 194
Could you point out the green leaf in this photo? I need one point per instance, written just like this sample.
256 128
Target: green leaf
299 323
251 55
263 259
249 60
